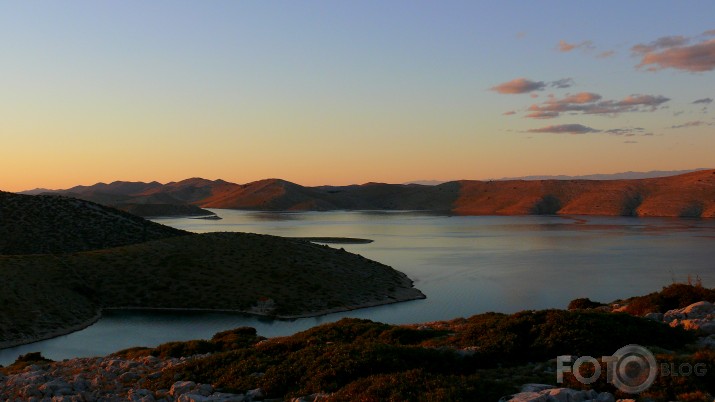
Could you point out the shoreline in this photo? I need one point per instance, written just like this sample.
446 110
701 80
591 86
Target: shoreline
417 295
56 333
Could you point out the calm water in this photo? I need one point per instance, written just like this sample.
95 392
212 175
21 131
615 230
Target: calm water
465 266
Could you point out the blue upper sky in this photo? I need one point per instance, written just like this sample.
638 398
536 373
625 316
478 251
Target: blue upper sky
346 92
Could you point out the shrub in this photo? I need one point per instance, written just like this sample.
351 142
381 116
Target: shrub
583 304
677 295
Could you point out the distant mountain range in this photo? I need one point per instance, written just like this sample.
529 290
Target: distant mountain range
606 176
690 194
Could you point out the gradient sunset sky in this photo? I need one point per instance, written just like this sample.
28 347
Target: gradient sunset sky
340 92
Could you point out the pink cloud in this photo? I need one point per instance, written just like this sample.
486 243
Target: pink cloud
606 54
564 46
519 86
565 129
591 103
509 113
524 86
674 52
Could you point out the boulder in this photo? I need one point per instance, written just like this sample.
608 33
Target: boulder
699 310
225 397
654 316
255 394
55 387
535 387
556 395
181 387
707 342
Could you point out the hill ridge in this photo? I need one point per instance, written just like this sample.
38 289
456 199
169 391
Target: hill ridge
685 195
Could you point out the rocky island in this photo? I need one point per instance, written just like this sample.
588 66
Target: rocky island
81 258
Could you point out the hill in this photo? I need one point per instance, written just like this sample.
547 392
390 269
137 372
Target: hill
685 195
52 224
46 295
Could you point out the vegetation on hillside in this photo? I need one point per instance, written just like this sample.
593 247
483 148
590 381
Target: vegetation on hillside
221 271
482 357
52 225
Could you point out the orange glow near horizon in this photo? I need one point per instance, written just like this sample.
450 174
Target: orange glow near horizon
242 91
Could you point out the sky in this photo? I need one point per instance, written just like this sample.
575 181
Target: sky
343 92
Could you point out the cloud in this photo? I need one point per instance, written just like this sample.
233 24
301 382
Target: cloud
525 86
706 101
660 43
709 33
509 113
565 129
591 103
697 123
678 53
628 131
606 54
564 46
562 83
630 142
519 86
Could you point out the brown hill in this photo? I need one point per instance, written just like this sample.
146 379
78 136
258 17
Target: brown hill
52 224
685 195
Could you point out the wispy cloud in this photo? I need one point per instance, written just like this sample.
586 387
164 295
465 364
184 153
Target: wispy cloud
591 103
525 86
586 46
519 86
565 129
509 113
628 132
706 101
564 46
562 83
677 52
697 123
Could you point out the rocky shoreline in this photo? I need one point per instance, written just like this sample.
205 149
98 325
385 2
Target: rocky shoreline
371 361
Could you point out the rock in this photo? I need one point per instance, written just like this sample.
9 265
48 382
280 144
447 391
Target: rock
707 342
204 389
181 387
604 397
697 316
56 387
699 310
526 397
569 395
317 397
556 395
654 316
129 377
535 387
79 383
192 398
140 395
225 397
708 327
255 394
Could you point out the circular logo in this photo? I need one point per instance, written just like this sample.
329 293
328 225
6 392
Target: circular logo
635 369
